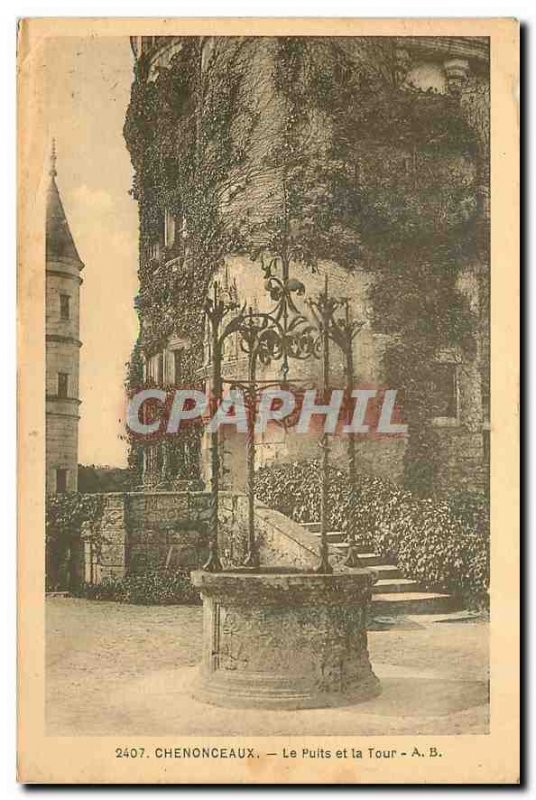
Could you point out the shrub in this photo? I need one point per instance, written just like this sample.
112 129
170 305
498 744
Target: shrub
431 545
441 542
154 587
66 513
93 479
295 490
471 508
67 516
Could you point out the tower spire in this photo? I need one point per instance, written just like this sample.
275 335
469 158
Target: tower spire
59 240
53 159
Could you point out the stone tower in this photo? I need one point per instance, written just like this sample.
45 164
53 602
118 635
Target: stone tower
276 119
63 281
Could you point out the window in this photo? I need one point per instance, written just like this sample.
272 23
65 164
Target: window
159 457
444 391
61 480
173 461
63 384
169 229
65 306
151 459
177 367
486 448
486 406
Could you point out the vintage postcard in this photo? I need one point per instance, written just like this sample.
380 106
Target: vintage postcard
268 401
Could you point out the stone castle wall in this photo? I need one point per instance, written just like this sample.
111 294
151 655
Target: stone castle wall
62 444
252 193
62 356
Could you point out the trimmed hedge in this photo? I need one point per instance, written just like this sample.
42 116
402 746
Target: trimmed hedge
154 587
442 542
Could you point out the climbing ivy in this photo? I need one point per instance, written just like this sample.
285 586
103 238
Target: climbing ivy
392 188
68 517
311 149
179 131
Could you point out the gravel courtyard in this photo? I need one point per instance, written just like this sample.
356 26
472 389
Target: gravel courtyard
120 669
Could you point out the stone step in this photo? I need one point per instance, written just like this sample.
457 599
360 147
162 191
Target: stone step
333 537
386 571
383 571
391 594
390 585
391 603
313 527
371 560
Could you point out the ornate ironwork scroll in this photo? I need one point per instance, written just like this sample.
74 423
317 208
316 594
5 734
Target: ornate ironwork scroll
342 331
278 335
216 310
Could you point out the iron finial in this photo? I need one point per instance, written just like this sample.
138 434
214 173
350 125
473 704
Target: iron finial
53 159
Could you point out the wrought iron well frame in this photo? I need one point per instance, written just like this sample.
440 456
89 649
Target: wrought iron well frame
281 334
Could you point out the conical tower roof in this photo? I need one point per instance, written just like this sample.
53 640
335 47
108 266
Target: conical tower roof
59 241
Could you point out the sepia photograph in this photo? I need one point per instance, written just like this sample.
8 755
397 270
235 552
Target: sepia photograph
267 338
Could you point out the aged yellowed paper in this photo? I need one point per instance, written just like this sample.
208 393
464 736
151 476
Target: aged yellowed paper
268 280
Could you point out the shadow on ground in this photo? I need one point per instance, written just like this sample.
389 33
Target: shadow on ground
116 670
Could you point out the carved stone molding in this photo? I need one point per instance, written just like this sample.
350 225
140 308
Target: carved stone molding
456 71
473 48
403 64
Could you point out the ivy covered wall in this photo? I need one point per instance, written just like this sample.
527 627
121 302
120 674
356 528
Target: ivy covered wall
319 150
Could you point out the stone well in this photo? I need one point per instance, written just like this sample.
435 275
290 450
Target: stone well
278 639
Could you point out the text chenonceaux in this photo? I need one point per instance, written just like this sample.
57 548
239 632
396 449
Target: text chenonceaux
201 752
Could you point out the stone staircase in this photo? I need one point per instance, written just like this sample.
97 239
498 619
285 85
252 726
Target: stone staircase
391 594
